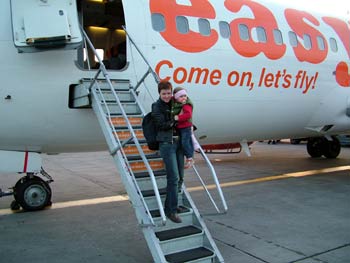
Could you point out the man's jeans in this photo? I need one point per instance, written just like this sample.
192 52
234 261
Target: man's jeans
173 158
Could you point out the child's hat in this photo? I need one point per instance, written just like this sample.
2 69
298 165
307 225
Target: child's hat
180 93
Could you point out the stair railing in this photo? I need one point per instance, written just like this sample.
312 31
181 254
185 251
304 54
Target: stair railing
206 159
118 147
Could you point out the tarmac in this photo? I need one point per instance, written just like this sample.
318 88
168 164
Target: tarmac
283 207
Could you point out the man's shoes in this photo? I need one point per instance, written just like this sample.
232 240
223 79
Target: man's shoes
174 217
181 209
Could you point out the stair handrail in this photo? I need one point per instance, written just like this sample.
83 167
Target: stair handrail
154 74
216 181
206 159
122 152
130 128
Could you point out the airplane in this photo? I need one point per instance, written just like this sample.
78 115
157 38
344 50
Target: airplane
255 70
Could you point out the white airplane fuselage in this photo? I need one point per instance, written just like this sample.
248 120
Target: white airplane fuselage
267 92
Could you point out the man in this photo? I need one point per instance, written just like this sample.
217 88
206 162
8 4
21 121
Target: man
169 148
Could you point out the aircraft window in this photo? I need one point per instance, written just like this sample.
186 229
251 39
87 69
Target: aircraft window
320 43
225 30
182 24
278 37
204 27
158 22
261 34
307 41
293 39
333 44
243 32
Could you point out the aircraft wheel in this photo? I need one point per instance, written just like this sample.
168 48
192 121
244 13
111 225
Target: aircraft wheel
32 193
332 148
315 147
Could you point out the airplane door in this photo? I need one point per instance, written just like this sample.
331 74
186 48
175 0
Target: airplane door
40 25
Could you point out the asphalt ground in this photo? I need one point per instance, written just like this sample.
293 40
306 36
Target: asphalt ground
283 207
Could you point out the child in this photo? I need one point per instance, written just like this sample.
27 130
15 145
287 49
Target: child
182 111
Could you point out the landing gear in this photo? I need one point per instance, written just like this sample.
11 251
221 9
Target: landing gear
32 193
316 147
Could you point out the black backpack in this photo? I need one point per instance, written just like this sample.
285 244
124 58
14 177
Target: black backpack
150 132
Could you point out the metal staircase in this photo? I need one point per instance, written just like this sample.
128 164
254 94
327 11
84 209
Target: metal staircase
120 114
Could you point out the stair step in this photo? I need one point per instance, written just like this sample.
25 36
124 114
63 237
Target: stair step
117 84
139 166
145 174
178 232
125 134
189 255
186 218
180 238
124 96
146 183
156 213
153 205
150 156
131 108
120 121
148 193
131 149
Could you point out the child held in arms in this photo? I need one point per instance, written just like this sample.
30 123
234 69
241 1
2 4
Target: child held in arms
182 111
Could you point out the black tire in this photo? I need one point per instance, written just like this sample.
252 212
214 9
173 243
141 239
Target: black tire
332 148
32 193
15 205
315 147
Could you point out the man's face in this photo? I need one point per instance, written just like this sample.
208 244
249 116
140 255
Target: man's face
165 95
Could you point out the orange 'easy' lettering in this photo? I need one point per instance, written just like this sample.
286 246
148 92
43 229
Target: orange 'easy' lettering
263 17
192 41
296 19
342 73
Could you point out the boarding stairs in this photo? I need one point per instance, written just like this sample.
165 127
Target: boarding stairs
120 113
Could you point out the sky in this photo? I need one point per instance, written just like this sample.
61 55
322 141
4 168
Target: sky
338 7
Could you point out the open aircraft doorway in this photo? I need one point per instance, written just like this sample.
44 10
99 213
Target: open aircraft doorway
103 22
